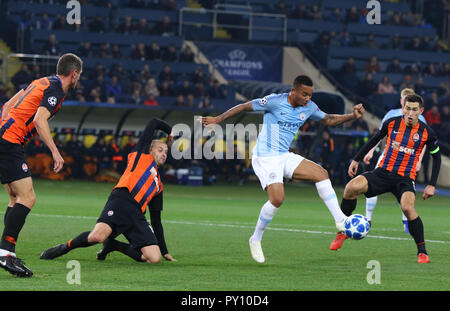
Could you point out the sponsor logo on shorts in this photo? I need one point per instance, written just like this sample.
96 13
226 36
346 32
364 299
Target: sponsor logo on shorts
24 167
110 213
272 175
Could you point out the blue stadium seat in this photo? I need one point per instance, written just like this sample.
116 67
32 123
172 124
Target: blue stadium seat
136 65
21 7
40 36
387 55
267 35
151 15
347 4
313 26
389 30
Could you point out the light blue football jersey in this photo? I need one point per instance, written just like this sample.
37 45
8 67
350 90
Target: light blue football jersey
397 113
281 123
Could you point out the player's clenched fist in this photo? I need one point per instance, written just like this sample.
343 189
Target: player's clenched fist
209 120
358 111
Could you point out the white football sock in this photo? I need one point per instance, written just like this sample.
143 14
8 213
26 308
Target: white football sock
265 217
4 252
370 206
327 194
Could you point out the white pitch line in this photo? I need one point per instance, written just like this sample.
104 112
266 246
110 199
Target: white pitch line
208 224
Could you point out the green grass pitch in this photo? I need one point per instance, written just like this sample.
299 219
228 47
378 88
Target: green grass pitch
207 230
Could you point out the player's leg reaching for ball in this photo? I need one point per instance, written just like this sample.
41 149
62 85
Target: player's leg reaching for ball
310 171
354 187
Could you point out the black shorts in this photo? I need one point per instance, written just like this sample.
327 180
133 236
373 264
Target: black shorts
382 181
124 217
13 163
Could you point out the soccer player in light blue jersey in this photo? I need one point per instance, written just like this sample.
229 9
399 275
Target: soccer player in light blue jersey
372 202
284 114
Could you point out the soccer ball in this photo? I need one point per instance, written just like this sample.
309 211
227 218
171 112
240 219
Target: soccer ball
356 227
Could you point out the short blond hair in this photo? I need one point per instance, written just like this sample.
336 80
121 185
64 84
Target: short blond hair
407 91
156 142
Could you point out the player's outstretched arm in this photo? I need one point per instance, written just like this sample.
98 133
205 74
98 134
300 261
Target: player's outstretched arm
10 103
43 130
227 114
147 136
336 119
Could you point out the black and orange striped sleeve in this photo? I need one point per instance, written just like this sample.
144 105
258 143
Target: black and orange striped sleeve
53 95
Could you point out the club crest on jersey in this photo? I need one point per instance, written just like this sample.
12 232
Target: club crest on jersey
52 101
416 137
24 167
302 116
110 213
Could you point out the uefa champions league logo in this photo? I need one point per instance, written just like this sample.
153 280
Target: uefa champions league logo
237 54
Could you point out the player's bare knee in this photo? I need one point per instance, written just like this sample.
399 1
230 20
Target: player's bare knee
154 259
96 237
351 191
321 174
277 200
28 200
12 200
152 254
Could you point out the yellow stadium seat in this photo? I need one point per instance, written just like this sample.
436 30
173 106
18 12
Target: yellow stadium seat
124 141
89 140
108 138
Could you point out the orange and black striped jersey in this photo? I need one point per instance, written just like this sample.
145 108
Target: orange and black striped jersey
404 145
142 180
18 126
141 177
